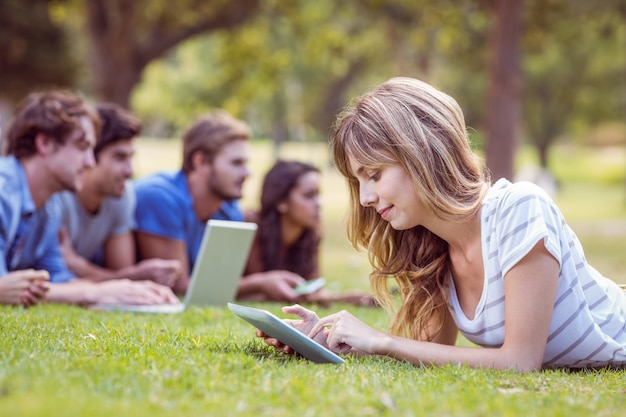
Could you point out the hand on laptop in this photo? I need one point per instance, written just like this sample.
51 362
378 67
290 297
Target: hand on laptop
163 271
124 291
308 320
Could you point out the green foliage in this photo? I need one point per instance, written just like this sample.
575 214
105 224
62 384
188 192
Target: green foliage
570 72
179 100
295 65
291 67
298 63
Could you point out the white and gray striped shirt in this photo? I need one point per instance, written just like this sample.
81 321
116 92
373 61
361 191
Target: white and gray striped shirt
588 327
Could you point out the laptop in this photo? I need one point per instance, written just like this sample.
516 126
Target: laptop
220 262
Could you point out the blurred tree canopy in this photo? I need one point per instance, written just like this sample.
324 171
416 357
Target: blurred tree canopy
287 68
574 68
292 67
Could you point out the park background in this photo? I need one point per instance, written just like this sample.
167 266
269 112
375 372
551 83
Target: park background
543 87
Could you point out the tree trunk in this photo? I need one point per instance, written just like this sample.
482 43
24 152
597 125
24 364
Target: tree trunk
115 61
503 102
280 129
335 97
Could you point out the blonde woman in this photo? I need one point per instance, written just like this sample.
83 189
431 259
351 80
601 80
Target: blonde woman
496 262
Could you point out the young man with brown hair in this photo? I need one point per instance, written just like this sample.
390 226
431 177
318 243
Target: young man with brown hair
50 145
97 236
173 207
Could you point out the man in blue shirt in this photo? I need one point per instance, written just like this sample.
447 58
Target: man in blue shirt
50 144
173 207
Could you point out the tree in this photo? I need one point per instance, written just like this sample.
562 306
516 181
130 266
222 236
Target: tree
126 35
35 53
505 86
573 76
294 65
287 70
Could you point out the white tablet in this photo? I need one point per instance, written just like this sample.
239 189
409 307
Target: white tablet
276 328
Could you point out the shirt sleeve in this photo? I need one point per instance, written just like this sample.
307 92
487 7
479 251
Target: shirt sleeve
52 261
5 233
526 215
3 250
159 212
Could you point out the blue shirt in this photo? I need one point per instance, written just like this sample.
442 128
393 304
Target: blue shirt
165 208
28 236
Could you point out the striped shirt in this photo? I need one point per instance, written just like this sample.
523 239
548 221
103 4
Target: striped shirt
588 327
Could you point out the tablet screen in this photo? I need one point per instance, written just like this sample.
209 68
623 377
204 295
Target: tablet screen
276 328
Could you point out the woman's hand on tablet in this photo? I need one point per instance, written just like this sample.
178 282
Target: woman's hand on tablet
307 321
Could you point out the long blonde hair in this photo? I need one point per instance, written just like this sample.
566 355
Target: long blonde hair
409 123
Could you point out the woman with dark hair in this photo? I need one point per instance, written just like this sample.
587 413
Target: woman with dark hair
288 238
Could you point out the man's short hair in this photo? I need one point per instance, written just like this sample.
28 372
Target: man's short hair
209 134
54 113
117 124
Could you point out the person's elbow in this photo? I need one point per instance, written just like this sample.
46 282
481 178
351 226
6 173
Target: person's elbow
521 360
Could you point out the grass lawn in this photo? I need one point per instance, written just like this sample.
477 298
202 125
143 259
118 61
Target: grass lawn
73 362
61 360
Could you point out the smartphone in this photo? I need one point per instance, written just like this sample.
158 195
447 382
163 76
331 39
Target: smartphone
310 286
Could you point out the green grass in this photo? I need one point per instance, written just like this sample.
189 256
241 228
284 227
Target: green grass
64 360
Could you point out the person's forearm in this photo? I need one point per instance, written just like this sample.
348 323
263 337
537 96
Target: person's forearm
250 284
82 267
130 272
429 353
78 291
88 270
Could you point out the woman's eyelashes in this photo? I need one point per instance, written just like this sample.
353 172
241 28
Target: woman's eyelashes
375 176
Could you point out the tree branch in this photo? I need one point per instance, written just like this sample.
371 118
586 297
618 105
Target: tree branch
160 40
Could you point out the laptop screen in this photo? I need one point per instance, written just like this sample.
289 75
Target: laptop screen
220 262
